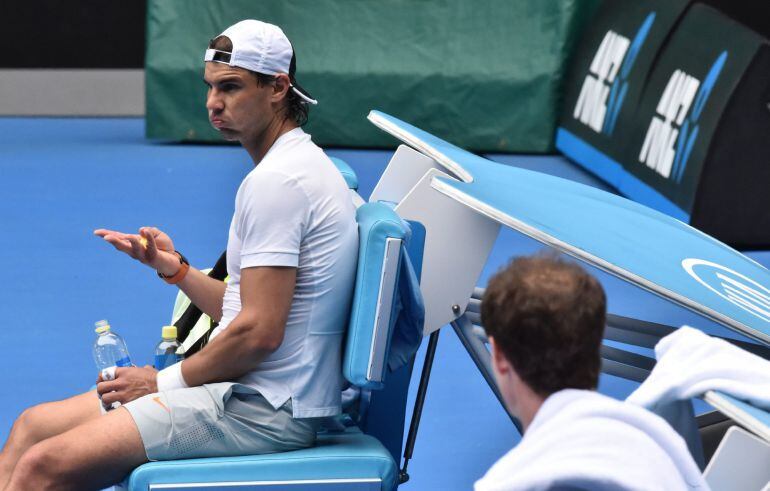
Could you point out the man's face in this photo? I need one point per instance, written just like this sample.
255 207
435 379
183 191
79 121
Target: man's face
238 106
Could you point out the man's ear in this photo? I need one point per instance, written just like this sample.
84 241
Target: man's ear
281 86
500 363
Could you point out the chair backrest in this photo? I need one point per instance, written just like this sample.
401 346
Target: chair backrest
351 179
381 235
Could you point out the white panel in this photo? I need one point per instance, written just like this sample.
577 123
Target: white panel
405 168
384 310
447 164
457 243
82 92
742 461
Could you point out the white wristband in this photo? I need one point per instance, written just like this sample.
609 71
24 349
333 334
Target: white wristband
170 378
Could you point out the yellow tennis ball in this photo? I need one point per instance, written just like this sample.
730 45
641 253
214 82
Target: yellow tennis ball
143 241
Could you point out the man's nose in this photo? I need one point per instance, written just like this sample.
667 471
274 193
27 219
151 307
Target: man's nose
213 101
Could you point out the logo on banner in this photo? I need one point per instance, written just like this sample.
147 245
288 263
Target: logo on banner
731 285
674 127
604 88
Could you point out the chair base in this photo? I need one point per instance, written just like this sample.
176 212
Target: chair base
349 461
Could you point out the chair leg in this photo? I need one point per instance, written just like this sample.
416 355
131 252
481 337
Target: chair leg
403 475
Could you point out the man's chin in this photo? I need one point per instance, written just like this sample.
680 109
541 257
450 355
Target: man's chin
228 134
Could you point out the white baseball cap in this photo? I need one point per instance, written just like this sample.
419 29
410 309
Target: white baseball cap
262 48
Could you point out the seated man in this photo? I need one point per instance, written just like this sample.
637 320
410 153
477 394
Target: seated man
273 365
545 319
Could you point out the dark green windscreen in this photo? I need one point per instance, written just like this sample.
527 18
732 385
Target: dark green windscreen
483 75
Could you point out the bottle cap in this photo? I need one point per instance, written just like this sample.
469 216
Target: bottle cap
169 332
102 326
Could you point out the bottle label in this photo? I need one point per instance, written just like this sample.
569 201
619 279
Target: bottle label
166 360
123 362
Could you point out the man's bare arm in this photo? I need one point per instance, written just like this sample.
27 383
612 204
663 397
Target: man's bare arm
266 296
257 331
205 292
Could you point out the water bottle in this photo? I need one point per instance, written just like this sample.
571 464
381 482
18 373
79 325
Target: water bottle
109 352
109 348
166 351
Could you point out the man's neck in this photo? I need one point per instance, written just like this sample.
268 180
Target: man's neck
258 148
528 403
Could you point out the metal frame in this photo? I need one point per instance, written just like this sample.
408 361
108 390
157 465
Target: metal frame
474 341
615 361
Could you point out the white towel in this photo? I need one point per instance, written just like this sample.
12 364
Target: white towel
585 440
690 363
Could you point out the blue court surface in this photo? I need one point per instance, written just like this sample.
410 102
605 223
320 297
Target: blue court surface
62 178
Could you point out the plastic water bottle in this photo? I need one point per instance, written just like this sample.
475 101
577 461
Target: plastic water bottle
110 352
109 348
166 351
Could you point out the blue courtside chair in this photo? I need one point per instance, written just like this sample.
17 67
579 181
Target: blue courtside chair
363 451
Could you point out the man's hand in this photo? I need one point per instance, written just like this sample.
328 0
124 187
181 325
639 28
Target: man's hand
150 246
130 383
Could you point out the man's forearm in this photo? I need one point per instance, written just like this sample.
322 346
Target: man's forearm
234 352
205 292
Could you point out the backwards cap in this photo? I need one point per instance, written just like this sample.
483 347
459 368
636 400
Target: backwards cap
262 48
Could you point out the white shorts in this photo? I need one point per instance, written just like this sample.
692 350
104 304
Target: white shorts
217 420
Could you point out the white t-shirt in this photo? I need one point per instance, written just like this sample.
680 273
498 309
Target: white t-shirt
294 209
581 439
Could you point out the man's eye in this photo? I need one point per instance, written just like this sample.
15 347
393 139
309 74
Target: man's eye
228 87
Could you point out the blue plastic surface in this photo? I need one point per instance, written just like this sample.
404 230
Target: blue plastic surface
636 243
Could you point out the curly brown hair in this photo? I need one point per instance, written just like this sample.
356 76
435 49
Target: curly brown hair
296 108
547 316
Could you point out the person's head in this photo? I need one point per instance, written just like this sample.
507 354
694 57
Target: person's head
250 70
545 317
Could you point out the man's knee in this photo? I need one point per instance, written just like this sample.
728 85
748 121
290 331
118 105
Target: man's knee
40 467
29 427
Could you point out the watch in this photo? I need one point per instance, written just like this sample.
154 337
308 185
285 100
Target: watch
179 275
